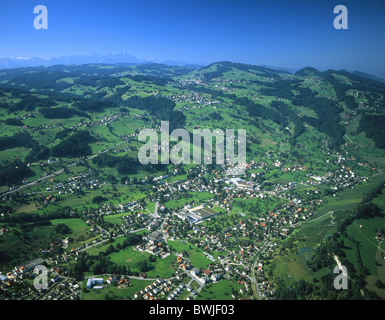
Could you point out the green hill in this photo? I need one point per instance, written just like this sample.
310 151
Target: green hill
314 146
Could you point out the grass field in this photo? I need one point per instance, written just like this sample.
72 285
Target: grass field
130 258
126 126
371 251
270 138
150 206
197 197
195 254
362 230
291 266
116 218
221 290
101 247
256 206
323 223
79 230
114 291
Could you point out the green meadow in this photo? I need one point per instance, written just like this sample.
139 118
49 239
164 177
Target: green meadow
195 254
115 292
130 257
221 290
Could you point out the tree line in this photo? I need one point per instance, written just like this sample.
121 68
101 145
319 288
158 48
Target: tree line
74 146
373 126
123 164
101 264
159 107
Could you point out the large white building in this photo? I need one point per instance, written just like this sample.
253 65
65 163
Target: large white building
95 283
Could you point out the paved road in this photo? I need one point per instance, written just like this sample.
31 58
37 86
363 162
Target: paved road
329 213
252 278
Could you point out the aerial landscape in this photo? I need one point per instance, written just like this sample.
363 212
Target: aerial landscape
90 209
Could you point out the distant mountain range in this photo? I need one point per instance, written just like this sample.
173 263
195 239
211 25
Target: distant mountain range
117 58
18 62
366 75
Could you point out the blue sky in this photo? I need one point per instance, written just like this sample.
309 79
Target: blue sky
290 33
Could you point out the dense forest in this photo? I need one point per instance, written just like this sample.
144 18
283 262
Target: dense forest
123 164
98 82
226 66
37 153
159 81
74 146
62 113
93 105
163 70
373 126
287 112
159 107
328 115
14 122
341 91
22 139
14 172
281 89
30 103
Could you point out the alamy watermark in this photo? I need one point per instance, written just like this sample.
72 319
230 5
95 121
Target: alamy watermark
340 281
341 21
180 153
41 280
41 20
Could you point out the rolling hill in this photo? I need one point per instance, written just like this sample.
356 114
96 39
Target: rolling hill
314 142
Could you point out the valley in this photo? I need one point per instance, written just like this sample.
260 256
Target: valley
75 198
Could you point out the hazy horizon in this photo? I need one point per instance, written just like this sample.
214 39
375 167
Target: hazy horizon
279 34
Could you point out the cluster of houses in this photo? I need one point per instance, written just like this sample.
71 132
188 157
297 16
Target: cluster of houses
265 287
63 289
153 243
343 178
192 97
138 221
15 277
237 244
195 80
47 199
84 181
14 286
107 119
162 289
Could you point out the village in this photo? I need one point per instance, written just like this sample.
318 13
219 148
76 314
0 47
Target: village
232 242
